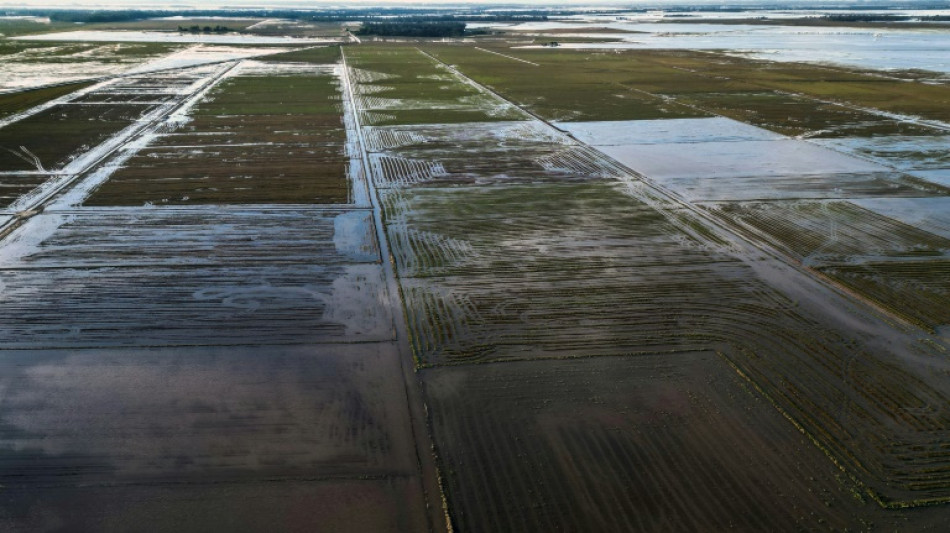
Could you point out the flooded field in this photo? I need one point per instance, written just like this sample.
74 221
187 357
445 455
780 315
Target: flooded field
419 286
792 99
536 436
263 311
269 133
719 159
530 258
885 49
25 64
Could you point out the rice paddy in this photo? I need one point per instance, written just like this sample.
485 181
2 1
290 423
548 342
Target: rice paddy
475 287
255 138
554 252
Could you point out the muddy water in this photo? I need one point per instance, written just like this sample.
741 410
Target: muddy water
222 362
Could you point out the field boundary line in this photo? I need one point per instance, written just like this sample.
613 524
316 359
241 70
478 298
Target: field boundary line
507 56
28 206
746 248
430 479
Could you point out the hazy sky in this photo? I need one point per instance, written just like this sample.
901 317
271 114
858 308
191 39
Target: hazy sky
179 4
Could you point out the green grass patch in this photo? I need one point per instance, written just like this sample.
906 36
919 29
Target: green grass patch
61 132
273 95
580 86
13 103
399 84
254 140
789 98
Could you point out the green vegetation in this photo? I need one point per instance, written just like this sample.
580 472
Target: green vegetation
850 87
794 99
17 27
412 29
254 140
846 243
918 291
58 134
648 441
584 86
399 84
13 103
170 24
272 95
206 29
36 52
297 28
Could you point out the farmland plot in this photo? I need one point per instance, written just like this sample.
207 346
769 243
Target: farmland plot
264 435
403 85
175 278
925 157
27 64
629 444
535 250
792 99
59 134
255 336
14 103
718 159
48 145
266 135
485 278
13 186
900 266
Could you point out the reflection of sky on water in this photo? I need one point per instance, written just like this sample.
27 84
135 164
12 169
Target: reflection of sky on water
870 48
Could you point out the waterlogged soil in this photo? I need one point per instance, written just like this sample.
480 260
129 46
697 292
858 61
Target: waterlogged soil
928 214
532 264
258 341
646 443
57 135
593 350
792 99
399 84
683 130
719 159
35 64
903 152
178 279
267 135
13 186
867 247
146 36
236 436
17 102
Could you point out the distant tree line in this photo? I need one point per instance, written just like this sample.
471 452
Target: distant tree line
205 29
323 15
412 28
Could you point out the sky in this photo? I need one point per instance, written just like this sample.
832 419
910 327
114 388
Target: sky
316 4
204 4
